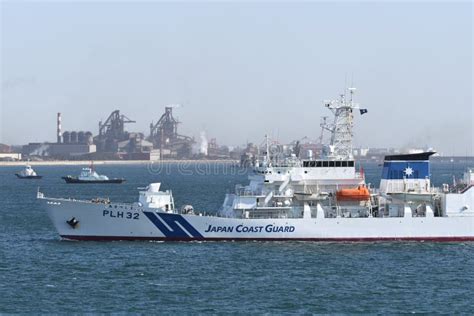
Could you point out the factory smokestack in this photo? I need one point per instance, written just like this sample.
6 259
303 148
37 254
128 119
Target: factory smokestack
59 133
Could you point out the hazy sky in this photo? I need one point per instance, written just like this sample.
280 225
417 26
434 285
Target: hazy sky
240 70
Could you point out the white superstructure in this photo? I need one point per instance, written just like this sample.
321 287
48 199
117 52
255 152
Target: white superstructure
288 188
28 171
88 174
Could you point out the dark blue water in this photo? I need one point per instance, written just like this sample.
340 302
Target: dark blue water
41 274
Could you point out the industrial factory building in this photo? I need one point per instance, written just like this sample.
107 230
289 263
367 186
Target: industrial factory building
165 137
113 141
68 145
112 132
6 153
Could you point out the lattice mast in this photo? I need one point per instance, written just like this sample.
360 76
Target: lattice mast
340 147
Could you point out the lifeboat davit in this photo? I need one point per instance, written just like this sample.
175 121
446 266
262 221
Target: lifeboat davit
361 193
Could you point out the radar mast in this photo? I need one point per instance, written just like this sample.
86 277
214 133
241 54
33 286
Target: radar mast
340 147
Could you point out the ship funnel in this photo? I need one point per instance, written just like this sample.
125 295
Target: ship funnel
406 173
154 187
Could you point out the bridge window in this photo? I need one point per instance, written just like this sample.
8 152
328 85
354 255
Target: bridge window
350 163
338 163
325 163
319 163
311 164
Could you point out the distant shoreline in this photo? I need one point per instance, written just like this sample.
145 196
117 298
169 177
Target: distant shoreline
439 159
110 162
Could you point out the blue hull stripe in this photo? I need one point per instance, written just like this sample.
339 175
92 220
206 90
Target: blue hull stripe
172 220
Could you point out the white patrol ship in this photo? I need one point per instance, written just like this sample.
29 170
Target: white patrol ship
313 199
28 173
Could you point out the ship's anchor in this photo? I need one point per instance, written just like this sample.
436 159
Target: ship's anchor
73 222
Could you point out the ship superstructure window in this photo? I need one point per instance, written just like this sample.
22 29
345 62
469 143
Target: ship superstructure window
327 163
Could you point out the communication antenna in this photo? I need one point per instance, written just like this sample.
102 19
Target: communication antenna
352 92
345 81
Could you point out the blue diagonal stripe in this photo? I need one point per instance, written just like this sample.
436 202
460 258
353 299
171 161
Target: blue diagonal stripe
171 220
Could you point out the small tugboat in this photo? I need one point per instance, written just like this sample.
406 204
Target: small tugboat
88 175
28 173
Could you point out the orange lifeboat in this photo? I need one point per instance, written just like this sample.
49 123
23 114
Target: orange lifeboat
361 193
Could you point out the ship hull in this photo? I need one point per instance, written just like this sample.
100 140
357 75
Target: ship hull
104 222
375 239
76 180
19 176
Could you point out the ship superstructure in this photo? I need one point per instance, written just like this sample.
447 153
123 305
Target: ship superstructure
294 188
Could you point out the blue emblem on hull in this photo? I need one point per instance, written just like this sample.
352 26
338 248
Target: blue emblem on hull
173 225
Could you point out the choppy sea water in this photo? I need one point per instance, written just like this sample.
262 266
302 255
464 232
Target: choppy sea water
41 274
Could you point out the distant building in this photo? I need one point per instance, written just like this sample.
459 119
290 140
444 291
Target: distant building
6 153
152 155
215 151
134 145
55 150
5 148
10 156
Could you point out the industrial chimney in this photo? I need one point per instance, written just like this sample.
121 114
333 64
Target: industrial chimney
59 141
